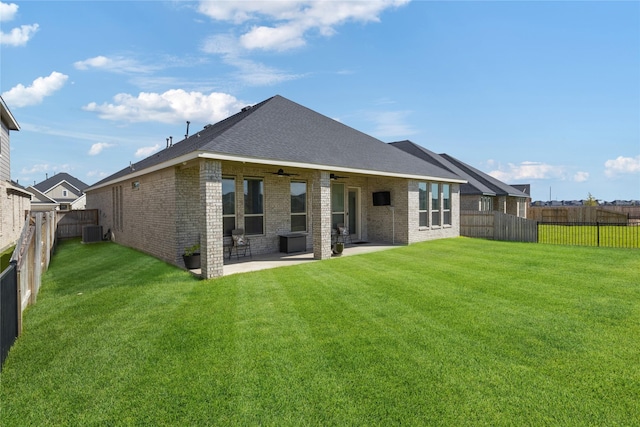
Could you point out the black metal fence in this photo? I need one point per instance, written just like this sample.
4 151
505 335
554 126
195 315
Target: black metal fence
8 310
622 235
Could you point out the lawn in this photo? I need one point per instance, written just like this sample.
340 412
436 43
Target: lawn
613 236
448 332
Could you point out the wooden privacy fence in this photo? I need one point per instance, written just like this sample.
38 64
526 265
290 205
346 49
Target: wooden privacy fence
32 256
70 223
575 214
497 226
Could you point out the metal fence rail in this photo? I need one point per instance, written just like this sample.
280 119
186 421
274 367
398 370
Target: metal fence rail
621 235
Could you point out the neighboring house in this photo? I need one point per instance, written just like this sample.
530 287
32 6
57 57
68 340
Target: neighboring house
14 200
60 192
274 168
482 192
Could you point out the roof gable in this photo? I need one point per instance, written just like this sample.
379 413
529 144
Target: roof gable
58 179
279 130
478 182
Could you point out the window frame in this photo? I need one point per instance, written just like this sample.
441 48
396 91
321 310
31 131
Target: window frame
423 204
260 204
435 204
302 213
446 204
233 214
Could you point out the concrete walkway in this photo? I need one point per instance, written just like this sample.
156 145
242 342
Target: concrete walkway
274 260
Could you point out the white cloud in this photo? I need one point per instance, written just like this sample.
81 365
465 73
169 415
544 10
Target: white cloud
391 124
117 64
8 11
622 165
581 176
98 147
21 96
528 170
147 151
18 36
172 106
96 174
287 23
43 168
249 72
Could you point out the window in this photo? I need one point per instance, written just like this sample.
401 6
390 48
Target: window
446 204
486 204
435 204
522 208
253 206
337 205
422 204
135 185
116 203
228 205
298 206
64 193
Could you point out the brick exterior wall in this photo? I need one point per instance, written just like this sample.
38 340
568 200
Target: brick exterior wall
12 216
321 208
210 217
142 217
176 207
470 203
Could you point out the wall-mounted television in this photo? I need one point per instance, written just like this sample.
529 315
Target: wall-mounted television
382 198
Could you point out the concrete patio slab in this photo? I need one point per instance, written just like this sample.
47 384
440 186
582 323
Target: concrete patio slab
275 260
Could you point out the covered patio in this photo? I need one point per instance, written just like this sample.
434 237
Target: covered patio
245 264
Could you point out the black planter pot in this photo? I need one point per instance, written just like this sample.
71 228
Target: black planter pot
338 248
192 262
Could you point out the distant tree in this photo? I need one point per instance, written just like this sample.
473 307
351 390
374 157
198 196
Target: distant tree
591 201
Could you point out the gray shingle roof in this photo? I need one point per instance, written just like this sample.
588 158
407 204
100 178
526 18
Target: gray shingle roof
54 180
478 182
278 129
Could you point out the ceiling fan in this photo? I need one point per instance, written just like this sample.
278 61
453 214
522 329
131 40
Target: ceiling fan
333 176
281 172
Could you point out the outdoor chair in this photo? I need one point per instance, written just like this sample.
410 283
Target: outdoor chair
240 243
343 233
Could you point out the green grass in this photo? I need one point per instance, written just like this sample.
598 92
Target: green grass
612 236
449 332
5 258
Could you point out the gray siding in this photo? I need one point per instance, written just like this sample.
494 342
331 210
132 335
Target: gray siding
5 155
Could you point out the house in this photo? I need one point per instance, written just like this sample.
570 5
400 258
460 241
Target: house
274 168
481 192
14 200
61 191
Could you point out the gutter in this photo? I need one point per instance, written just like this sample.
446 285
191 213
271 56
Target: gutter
271 162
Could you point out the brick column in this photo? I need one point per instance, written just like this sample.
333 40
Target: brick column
211 234
321 208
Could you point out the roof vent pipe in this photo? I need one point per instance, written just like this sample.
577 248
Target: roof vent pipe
170 141
167 143
187 134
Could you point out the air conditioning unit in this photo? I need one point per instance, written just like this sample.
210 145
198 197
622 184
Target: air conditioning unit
91 233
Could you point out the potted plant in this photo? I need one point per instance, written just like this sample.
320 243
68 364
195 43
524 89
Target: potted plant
338 248
191 257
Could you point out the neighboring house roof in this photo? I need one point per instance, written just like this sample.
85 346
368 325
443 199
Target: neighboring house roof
39 196
280 132
6 116
18 190
478 182
525 188
61 178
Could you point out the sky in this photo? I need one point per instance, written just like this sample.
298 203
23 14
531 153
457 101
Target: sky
545 93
